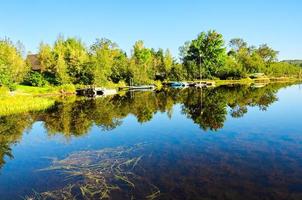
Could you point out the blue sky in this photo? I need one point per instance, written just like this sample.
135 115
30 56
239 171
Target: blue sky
160 23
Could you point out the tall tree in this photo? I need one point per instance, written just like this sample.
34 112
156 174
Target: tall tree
76 58
237 43
206 53
267 54
168 61
104 54
12 66
141 64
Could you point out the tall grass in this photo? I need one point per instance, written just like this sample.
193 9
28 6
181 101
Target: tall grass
10 105
4 91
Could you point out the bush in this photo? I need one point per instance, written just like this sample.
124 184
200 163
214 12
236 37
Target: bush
231 70
227 73
6 79
35 79
52 78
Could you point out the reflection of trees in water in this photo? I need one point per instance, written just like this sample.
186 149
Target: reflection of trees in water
11 130
209 112
207 109
78 117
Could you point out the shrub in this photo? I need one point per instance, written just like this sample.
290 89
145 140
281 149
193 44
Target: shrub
35 79
6 79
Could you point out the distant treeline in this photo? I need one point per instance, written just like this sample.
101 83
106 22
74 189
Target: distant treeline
70 61
295 62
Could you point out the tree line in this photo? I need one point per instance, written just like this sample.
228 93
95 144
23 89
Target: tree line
70 61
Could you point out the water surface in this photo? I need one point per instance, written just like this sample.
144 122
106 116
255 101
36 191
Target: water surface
231 142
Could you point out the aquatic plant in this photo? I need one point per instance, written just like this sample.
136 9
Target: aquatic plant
100 174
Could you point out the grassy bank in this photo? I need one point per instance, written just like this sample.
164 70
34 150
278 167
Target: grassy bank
63 89
29 99
16 104
257 80
228 82
71 89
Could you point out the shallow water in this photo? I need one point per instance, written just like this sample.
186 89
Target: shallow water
234 142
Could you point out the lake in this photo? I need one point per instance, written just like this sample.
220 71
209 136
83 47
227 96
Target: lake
229 142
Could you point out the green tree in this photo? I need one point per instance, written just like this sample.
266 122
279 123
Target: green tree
206 53
231 70
168 62
61 68
237 44
66 62
76 58
177 72
266 53
119 69
46 58
141 68
12 66
103 55
252 59
34 78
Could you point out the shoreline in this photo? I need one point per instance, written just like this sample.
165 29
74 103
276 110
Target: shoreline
258 80
30 99
49 91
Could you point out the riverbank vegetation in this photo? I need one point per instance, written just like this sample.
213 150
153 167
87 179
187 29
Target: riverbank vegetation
22 104
70 62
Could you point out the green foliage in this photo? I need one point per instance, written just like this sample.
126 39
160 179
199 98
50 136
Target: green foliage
267 53
106 61
141 66
205 55
6 78
35 79
68 61
177 72
12 66
259 60
231 70
119 71
65 63
279 69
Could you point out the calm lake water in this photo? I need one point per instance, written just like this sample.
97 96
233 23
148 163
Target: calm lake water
234 142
